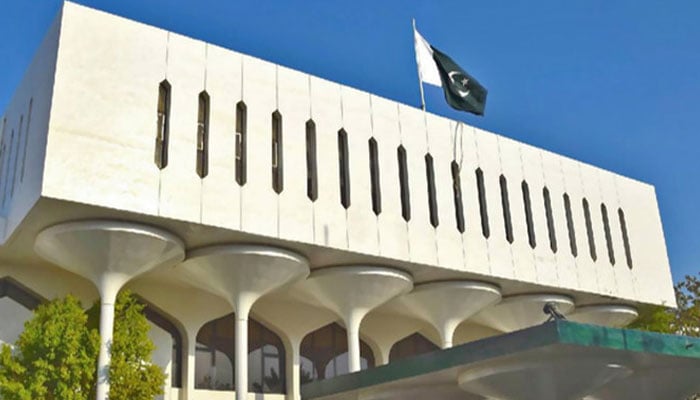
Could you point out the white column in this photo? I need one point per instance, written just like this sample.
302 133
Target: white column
242 309
353 327
109 286
189 362
293 367
106 335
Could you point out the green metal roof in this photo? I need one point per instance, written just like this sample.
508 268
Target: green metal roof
636 350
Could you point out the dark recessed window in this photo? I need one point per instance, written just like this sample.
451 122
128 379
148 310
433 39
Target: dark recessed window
241 142
403 183
203 135
550 219
570 225
311 173
374 177
432 195
277 160
483 210
324 354
608 235
528 214
163 124
215 359
160 320
625 237
344 168
19 293
505 204
457 194
589 229
410 346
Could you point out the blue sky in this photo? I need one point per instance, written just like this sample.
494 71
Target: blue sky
612 83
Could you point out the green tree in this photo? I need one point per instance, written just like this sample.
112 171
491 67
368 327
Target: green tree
54 356
132 375
683 320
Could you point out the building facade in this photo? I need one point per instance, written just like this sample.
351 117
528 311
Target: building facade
336 229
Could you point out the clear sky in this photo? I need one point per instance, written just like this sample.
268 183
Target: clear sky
611 83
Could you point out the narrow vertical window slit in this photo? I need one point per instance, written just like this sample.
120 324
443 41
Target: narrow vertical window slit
277 160
570 225
457 194
432 196
625 237
528 214
311 173
26 138
505 204
550 219
241 142
203 135
403 183
163 124
608 235
374 177
589 230
344 168
483 210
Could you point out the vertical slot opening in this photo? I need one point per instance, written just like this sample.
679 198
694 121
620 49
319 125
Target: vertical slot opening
483 209
203 135
374 176
528 214
241 142
163 124
403 183
277 160
570 225
625 237
608 235
432 195
505 204
311 173
550 220
589 230
26 138
344 168
457 195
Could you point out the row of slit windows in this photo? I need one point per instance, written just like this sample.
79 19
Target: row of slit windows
324 352
161 159
13 154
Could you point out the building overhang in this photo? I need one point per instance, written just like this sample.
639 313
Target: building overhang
555 360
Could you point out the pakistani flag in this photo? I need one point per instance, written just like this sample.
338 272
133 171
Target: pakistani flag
462 91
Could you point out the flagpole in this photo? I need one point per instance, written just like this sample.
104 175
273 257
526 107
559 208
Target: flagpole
420 78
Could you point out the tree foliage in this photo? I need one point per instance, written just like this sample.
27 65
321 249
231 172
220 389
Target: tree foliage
56 356
132 375
684 320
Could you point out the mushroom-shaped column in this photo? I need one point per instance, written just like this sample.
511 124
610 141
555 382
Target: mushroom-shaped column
613 315
522 311
447 304
241 274
109 253
352 292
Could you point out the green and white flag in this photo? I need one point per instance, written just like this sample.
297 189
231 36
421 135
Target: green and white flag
462 91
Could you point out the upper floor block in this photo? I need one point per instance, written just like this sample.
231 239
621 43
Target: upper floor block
125 116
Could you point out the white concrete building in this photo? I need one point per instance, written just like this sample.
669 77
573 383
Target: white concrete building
344 230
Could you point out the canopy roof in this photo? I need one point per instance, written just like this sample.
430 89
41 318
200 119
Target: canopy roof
556 360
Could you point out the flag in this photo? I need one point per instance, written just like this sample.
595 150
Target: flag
462 91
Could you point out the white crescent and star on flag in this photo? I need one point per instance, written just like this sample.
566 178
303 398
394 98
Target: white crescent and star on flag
429 72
